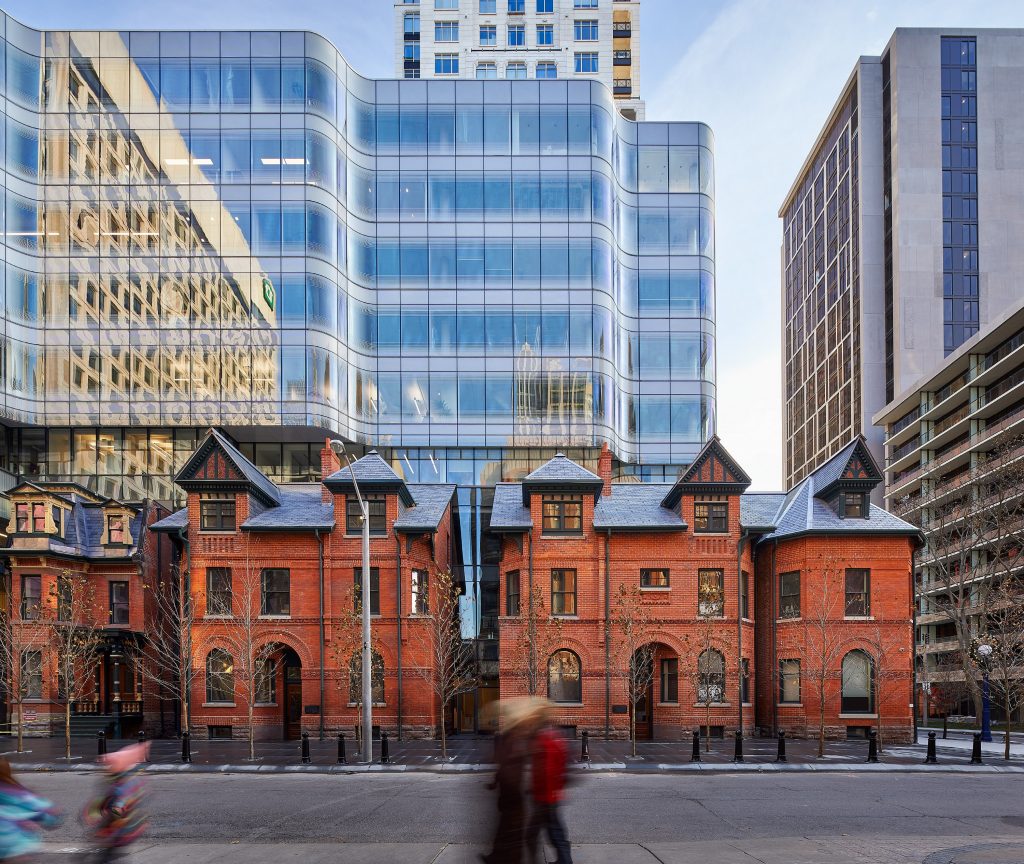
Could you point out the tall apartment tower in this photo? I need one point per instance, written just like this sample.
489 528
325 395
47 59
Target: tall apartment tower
903 232
518 39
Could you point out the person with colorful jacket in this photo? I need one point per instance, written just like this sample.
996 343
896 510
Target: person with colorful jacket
548 782
115 816
22 814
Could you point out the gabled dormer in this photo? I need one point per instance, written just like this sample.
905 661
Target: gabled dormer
712 478
377 481
561 486
43 509
846 480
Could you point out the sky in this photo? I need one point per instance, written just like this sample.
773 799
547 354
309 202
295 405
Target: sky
764 74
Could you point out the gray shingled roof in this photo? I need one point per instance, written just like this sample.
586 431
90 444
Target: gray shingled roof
508 512
372 473
301 508
832 470
758 509
561 469
175 522
432 500
637 507
83 532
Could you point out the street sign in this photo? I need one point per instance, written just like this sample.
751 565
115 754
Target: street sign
30 716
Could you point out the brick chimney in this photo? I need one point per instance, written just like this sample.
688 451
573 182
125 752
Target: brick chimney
329 463
604 469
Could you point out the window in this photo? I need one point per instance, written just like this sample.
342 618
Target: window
545 6
411 52
411 24
789 595
21 518
488 36
745 681
789 681
486 71
653 578
218 591
547 70
32 674
745 594
562 514
563 592
217 514
585 31
31 597
55 514
711 517
858 593
858 684
670 680
220 676
584 4
357 594
446 31
711 593
565 683
65 598
115 530
446 64
355 678
118 602
446 4
266 683
516 71
224 733
275 591
545 35
512 592
516 6
376 506
420 592
855 505
710 677
516 35
39 518
488 7
586 61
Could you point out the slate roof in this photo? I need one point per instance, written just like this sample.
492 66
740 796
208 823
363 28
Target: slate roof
561 469
301 508
508 512
431 501
83 532
637 507
175 522
758 509
371 472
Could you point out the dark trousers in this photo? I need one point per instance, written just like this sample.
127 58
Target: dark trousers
547 819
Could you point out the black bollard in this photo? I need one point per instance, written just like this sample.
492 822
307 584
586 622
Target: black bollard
142 736
341 748
738 756
872 746
585 747
186 747
931 759
305 749
781 757
385 755
695 754
976 749
101 743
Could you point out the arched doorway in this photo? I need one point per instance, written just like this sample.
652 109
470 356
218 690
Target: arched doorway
291 676
656 672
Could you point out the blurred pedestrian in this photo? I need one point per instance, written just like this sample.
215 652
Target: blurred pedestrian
115 816
22 814
548 781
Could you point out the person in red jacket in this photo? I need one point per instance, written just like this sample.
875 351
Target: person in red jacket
549 770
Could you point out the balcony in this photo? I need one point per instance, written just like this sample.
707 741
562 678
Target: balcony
622 29
623 58
622 86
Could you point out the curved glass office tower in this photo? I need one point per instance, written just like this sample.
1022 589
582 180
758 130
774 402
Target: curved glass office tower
236 229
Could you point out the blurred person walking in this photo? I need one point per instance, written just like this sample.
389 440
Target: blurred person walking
549 776
22 814
115 817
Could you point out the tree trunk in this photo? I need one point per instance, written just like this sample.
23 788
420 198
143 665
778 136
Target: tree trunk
707 729
821 721
1006 741
444 737
21 730
67 730
945 726
632 728
252 738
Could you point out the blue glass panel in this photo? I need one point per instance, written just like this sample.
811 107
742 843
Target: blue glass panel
414 329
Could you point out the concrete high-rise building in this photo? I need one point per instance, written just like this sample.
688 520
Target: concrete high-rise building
903 232
596 40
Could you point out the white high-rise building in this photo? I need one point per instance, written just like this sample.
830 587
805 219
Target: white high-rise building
521 39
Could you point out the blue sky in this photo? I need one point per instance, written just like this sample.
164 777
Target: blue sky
762 73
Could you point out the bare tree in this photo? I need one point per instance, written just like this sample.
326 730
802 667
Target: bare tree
448 662
348 654
704 662
24 638
1004 633
76 641
822 618
539 636
634 650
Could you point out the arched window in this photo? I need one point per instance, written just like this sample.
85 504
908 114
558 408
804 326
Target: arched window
220 676
711 674
565 680
858 684
355 677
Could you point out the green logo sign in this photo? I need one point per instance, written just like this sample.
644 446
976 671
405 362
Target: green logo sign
268 293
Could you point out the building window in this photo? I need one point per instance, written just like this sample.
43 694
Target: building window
586 61
220 676
411 24
584 4
789 595
420 592
411 52
653 578
858 684
516 7
855 505
516 35
31 597
565 681
710 677
858 593
118 602
512 592
563 592
32 674
115 530
516 71
266 683
711 517
545 7
446 31
488 36
446 64
376 506
357 594
217 514
39 518
21 522
488 7
745 681
446 4
218 591
745 594
585 31
355 678
547 70
486 71
55 515
711 593
562 514
545 35
275 591
670 680
224 733
789 681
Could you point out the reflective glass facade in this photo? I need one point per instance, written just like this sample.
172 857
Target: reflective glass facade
236 229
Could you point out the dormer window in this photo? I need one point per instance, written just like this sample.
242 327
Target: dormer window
115 530
217 514
39 518
376 505
711 517
58 527
21 518
853 505
562 514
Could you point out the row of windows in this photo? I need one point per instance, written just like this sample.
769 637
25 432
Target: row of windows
490 7
488 71
583 62
32 600
857 594
448 31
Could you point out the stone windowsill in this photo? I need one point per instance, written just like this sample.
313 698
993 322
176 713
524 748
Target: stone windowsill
218 705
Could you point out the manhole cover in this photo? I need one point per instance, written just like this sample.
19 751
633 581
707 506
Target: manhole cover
983 853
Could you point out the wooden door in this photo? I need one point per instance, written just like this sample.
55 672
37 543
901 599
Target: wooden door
644 720
292 703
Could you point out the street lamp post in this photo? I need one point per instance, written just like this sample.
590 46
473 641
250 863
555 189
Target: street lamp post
338 447
984 651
